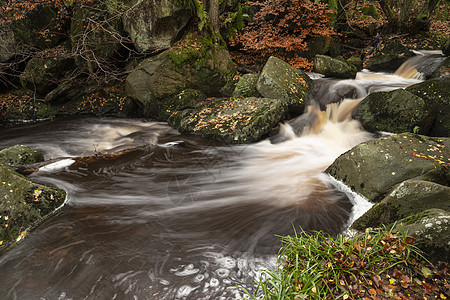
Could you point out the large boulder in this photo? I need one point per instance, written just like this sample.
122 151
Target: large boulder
95 34
7 43
154 25
406 199
390 58
230 120
23 204
20 155
431 231
42 74
374 167
199 65
279 80
436 95
394 111
332 67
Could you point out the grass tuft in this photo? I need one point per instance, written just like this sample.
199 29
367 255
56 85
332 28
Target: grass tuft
375 264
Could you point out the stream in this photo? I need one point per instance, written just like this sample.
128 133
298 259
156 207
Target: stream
181 217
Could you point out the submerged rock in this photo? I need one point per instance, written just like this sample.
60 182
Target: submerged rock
374 167
23 204
279 80
20 155
332 67
231 120
406 199
431 230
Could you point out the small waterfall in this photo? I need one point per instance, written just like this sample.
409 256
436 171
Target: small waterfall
420 66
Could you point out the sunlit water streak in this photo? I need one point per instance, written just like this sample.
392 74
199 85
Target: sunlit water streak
183 217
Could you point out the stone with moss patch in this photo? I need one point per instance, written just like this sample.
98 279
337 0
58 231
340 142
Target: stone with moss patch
246 86
230 120
41 74
198 64
374 167
20 155
394 111
23 204
332 67
436 95
431 230
407 199
279 80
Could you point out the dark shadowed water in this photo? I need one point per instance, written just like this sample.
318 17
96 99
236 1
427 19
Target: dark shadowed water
182 217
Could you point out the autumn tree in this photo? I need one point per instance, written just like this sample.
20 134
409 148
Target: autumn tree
282 28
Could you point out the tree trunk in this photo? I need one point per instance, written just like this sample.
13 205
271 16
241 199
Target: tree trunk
213 14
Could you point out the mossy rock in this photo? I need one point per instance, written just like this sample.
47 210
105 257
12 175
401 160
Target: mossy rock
431 232
231 120
201 65
95 44
41 74
74 99
356 61
8 47
390 58
27 30
186 99
20 155
279 80
373 168
246 86
23 204
332 67
407 199
154 25
394 111
436 95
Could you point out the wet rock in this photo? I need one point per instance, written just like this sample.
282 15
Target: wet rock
200 66
390 58
20 155
405 200
446 48
279 80
246 86
374 167
332 67
356 61
431 230
154 25
436 95
23 204
231 120
42 74
395 111
443 70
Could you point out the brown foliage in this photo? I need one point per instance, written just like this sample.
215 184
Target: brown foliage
282 28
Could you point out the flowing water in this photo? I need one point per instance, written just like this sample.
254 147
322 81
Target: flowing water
181 217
